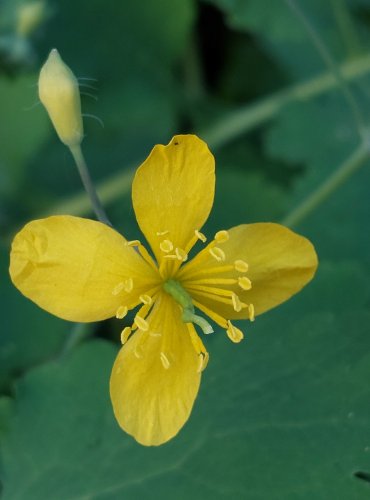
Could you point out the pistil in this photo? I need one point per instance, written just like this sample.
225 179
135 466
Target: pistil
182 297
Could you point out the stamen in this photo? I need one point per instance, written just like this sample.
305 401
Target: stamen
234 334
241 266
202 361
244 283
166 246
165 361
162 233
181 254
118 288
217 254
199 348
170 256
218 298
146 299
141 323
138 352
251 312
214 316
147 257
201 272
211 289
128 285
126 332
221 236
121 312
133 243
200 236
211 281
237 304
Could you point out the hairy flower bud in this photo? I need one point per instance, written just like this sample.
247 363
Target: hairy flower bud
59 93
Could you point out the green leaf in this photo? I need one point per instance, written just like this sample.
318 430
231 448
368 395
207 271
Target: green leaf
23 128
28 335
285 414
133 37
283 35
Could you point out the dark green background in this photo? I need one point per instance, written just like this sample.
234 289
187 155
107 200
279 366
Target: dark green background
285 415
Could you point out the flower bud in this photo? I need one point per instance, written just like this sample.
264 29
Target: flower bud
59 93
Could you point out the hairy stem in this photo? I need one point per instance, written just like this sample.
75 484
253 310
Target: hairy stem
88 184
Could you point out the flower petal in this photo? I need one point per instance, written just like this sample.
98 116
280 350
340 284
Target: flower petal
69 266
173 193
152 397
280 263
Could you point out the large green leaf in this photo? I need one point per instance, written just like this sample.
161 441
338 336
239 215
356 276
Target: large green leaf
285 414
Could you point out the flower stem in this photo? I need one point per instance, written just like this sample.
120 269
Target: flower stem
353 163
88 184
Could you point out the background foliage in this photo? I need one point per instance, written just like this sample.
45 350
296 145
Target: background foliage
285 414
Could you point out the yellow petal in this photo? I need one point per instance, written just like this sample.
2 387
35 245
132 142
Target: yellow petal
70 266
173 192
280 263
155 378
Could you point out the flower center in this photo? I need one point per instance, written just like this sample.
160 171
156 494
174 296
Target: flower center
183 298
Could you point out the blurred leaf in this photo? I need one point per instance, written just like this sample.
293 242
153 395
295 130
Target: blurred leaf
340 225
244 197
133 37
23 130
28 334
6 407
283 415
300 136
281 33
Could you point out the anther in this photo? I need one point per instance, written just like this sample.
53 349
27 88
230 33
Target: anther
251 312
128 285
165 361
217 254
146 299
166 246
202 361
241 266
244 283
121 312
221 236
181 254
170 256
141 323
138 352
200 236
234 334
133 243
237 304
162 233
118 289
126 332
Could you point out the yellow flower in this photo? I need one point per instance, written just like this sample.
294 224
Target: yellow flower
82 270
